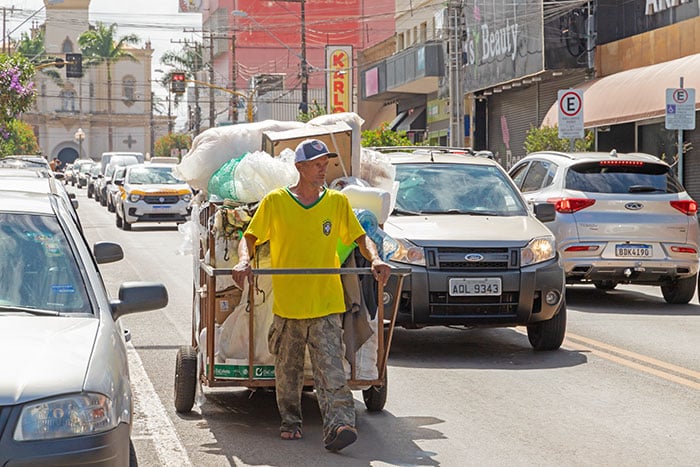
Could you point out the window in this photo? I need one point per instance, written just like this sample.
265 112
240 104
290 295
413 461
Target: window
538 176
128 90
67 47
400 44
423 32
67 100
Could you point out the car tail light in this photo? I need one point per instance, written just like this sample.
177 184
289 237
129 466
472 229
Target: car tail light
622 162
582 248
571 205
683 249
686 206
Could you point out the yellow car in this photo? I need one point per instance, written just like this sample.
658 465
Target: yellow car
151 193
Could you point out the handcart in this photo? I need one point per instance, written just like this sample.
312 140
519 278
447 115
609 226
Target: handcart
195 363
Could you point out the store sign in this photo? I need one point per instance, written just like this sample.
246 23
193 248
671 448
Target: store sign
657 6
502 41
339 80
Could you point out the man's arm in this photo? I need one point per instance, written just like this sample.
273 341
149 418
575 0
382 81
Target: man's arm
380 269
242 270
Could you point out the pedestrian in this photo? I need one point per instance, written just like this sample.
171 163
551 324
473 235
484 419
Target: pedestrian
303 223
55 164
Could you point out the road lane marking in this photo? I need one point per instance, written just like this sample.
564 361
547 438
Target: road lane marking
664 370
153 415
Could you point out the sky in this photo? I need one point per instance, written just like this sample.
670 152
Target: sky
154 20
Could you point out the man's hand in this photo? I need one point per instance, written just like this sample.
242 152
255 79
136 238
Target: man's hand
240 272
381 271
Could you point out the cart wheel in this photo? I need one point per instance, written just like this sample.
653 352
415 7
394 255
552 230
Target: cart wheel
375 397
185 378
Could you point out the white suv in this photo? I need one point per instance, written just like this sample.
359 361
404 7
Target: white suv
621 219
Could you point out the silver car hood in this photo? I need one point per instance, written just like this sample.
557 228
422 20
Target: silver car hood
43 356
425 230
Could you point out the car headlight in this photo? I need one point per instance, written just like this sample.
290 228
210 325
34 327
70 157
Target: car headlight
134 198
75 415
538 250
402 251
186 197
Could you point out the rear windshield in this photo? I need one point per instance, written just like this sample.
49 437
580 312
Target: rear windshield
621 177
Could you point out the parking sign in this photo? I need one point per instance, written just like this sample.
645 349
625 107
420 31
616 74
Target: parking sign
570 121
680 109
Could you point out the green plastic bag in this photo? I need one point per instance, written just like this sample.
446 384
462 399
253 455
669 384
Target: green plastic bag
222 183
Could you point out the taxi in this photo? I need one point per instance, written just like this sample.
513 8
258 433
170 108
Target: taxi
151 193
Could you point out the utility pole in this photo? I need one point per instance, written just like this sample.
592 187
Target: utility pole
304 65
4 26
234 77
454 19
212 102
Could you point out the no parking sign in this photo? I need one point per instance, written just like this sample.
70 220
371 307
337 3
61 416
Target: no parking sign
570 121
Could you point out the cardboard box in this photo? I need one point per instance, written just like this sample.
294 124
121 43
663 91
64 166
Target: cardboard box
226 302
338 138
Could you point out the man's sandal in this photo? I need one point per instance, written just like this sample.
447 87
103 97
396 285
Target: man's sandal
341 437
291 435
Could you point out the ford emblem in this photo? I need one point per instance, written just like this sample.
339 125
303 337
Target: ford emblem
634 206
474 257
161 199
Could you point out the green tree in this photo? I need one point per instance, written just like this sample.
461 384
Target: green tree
383 136
315 110
21 139
166 143
33 48
99 46
547 139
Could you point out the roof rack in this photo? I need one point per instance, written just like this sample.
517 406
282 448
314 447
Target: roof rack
465 150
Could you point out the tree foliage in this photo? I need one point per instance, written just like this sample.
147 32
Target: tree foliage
383 136
314 110
20 140
547 139
188 59
17 91
171 141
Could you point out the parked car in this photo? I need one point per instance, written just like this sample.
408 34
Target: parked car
94 174
68 174
113 188
65 396
115 161
478 256
81 168
620 219
151 193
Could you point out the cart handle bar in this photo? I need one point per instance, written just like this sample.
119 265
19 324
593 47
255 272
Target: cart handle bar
303 271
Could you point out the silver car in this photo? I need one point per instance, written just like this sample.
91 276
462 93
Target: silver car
65 397
621 219
478 256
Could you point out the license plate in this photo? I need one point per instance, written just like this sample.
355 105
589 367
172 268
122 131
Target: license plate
462 286
629 250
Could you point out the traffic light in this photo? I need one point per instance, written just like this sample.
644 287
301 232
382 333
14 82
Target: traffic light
178 82
74 65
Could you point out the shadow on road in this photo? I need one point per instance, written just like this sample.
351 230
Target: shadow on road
625 301
246 427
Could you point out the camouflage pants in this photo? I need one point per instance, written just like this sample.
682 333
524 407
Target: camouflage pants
288 339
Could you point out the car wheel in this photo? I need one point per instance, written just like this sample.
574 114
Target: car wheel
605 285
118 220
375 397
125 224
679 291
133 461
549 334
89 194
185 378
103 201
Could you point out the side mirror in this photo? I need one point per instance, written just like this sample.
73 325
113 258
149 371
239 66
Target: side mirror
119 182
139 296
545 212
107 252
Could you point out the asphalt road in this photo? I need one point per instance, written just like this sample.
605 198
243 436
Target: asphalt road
624 390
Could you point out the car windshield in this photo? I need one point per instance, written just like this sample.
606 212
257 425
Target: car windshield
153 176
37 268
455 189
622 177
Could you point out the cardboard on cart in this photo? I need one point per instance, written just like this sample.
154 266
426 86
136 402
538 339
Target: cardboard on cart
337 136
226 302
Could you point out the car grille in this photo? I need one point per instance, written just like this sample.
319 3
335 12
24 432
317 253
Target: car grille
454 259
441 304
171 199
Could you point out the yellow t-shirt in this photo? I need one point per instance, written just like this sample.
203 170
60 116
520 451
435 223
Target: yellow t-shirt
305 237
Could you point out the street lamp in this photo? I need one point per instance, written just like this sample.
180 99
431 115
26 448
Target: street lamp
80 137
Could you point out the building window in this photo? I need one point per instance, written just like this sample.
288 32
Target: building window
415 35
67 46
423 32
128 90
400 42
67 100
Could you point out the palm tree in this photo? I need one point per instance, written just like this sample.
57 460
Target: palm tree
33 48
99 47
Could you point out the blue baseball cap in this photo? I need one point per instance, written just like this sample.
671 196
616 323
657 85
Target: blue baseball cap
311 149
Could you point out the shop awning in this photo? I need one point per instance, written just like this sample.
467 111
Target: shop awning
633 95
385 114
397 120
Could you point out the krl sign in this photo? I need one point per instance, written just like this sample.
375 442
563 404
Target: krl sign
339 64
